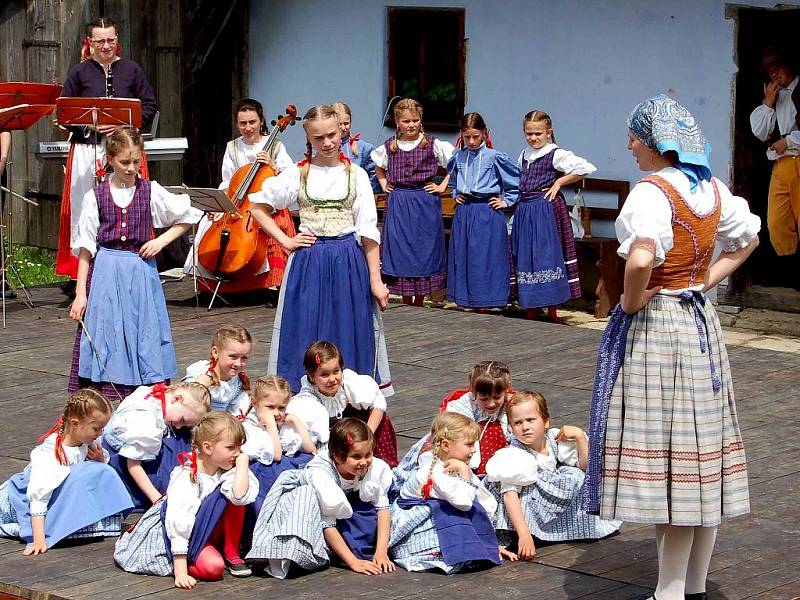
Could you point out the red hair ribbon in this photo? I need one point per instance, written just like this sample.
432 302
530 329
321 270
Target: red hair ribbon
356 137
488 139
159 390
100 172
304 162
245 379
86 49
61 456
459 143
212 364
185 457
343 158
426 489
349 439
317 359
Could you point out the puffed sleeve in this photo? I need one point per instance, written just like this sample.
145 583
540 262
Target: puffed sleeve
88 222
280 191
442 151
456 491
195 370
169 209
315 416
571 164
282 159
333 504
46 474
141 434
228 166
362 391
509 174
291 441
258 444
365 215
226 487
375 486
239 405
762 121
182 506
462 406
380 157
485 497
737 225
645 214
568 450
513 468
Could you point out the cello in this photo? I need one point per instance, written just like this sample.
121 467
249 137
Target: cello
234 246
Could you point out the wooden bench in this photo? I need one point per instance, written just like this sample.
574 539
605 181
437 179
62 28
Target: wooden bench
600 252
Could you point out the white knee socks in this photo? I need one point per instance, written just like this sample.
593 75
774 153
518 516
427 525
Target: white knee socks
684 554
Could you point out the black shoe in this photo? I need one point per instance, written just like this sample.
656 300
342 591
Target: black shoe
697 596
238 568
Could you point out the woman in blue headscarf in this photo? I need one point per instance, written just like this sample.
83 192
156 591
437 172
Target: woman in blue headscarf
665 446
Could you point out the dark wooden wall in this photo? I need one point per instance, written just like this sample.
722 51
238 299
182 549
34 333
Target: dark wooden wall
193 52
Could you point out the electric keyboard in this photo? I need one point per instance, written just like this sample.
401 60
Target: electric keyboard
156 149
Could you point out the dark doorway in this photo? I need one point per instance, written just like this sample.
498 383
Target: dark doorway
755 284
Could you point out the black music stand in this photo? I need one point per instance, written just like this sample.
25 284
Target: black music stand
209 200
22 115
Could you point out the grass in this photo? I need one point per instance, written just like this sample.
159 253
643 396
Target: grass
35 266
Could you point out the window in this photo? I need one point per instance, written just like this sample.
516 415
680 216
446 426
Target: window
427 62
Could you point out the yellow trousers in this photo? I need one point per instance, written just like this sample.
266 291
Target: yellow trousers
783 208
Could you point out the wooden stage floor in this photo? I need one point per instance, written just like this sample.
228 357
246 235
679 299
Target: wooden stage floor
757 557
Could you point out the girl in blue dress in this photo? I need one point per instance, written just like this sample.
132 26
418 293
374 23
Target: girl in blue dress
353 147
442 519
478 261
541 238
124 338
412 253
67 491
148 431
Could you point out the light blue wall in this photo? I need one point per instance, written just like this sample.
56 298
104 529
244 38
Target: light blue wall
585 62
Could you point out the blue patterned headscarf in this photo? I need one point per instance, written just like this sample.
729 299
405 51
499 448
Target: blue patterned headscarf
663 124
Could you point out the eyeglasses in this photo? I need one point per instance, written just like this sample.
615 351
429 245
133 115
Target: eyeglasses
103 42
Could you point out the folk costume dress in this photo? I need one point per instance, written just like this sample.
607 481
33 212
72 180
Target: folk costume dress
326 294
137 431
550 487
182 522
304 502
413 250
357 395
80 498
270 274
232 396
87 151
665 445
479 260
126 314
259 447
447 526
359 151
542 241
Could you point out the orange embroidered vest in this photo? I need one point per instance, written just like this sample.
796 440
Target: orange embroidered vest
694 236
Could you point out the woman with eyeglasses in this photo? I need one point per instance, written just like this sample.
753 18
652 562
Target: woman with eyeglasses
100 73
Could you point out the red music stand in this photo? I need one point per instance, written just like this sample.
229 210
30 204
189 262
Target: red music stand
86 112
13 93
21 105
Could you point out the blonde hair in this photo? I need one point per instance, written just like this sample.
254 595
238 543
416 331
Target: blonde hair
320 112
525 396
539 116
342 108
489 377
229 333
122 138
270 383
213 427
449 426
414 107
197 393
81 405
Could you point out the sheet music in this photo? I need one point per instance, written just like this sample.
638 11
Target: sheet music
205 199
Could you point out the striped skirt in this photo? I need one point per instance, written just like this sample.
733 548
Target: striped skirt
673 452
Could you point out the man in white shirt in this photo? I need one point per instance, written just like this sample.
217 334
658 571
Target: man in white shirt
777 122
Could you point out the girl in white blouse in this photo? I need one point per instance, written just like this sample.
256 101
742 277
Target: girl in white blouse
147 432
333 273
67 490
224 372
202 514
539 479
443 496
124 338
